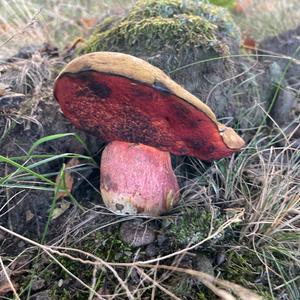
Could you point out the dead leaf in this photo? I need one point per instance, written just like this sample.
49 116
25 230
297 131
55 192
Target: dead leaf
3 89
242 6
4 27
28 215
5 286
88 23
249 44
62 206
68 179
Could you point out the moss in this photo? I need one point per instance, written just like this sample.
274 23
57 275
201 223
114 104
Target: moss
107 23
62 294
170 8
164 8
195 226
146 34
243 267
230 4
157 25
106 246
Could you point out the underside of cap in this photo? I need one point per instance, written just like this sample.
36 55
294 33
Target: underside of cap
118 97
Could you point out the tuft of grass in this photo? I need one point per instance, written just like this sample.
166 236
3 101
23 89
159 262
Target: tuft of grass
56 22
264 18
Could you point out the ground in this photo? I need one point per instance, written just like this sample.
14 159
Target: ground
238 218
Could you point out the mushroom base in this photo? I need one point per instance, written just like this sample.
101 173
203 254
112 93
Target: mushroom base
137 179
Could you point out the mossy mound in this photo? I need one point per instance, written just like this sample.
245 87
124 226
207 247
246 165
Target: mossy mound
145 35
186 42
165 24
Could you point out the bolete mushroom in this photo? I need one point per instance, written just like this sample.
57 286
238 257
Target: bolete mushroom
145 116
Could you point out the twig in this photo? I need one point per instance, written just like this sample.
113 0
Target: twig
8 279
30 23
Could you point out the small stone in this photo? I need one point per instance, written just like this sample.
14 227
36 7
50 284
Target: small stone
204 264
3 89
28 215
118 256
220 258
37 284
137 233
60 283
151 250
44 295
161 239
2 236
21 244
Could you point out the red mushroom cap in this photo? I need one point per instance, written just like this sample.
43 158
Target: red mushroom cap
118 97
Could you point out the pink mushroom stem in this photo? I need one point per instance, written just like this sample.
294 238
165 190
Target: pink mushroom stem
136 178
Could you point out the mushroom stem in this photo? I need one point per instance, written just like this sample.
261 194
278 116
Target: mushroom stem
136 178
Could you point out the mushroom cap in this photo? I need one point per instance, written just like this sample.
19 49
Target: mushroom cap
118 97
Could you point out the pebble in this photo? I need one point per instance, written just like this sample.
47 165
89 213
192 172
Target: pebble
204 264
2 235
21 244
44 295
151 250
161 239
137 233
37 284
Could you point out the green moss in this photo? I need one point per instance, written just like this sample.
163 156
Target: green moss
62 294
230 4
106 246
195 226
161 25
170 8
243 267
146 34
149 8
108 23
109 247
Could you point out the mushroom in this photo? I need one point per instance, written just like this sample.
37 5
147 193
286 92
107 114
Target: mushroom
145 116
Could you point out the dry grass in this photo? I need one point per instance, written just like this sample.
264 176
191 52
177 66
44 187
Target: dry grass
56 22
268 18
224 289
